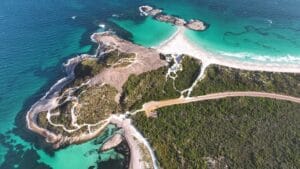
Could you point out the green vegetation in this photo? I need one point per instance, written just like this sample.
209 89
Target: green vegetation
244 132
146 87
97 103
87 69
220 79
65 115
118 59
153 85
43 122
238 132
189 73
92 66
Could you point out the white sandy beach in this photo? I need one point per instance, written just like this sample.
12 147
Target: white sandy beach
135 141
179 44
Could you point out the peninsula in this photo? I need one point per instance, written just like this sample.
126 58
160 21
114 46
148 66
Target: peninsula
122 80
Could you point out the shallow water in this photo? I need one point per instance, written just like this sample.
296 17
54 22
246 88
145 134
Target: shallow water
267 31
83 155
148 33
38 36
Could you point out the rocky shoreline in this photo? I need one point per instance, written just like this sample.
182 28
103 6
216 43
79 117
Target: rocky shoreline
56 115
113 142
145 60
158 14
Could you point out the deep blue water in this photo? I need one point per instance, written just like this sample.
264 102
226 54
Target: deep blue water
36 37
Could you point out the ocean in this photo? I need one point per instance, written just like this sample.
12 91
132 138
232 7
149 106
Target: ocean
37 37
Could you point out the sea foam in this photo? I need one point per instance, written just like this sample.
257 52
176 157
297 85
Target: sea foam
285 59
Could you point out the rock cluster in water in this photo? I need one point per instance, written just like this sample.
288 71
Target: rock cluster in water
158 14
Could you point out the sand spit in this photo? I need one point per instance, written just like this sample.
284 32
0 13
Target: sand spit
179 44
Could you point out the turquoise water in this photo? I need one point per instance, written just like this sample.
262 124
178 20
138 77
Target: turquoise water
267 31
81 156
38 36
149 32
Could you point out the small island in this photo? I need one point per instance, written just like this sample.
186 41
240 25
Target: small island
158 14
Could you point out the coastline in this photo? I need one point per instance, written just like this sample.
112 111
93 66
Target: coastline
178 43
136 142
141 151
50 100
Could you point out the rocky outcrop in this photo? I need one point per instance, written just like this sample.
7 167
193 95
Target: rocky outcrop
148 10
170 19
112 142
196 25
158 14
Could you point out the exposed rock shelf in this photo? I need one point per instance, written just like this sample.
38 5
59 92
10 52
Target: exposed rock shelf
158 14
112 142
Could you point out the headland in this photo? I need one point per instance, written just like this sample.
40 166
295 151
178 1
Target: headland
122 79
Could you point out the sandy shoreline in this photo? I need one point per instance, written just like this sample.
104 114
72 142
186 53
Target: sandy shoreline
136 144
179 44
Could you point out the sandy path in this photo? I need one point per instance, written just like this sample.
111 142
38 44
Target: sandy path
153 105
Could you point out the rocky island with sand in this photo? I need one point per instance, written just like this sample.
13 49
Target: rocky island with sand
158 14
140 89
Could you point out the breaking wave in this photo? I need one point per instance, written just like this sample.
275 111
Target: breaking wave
244 56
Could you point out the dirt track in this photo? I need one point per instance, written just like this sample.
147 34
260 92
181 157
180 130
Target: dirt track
153 105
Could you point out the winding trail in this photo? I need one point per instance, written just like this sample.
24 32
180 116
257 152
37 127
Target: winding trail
153 105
